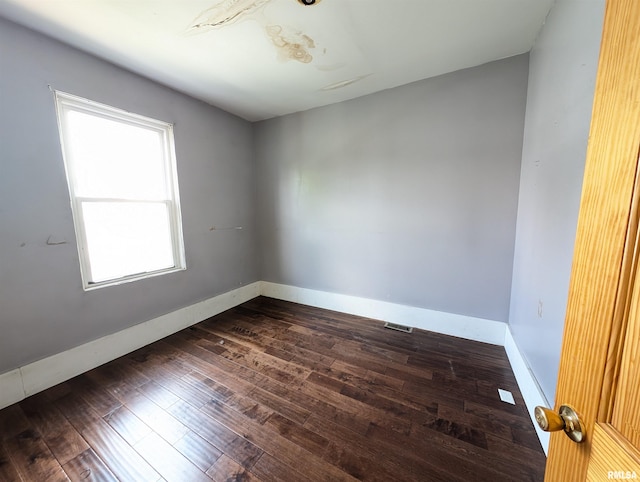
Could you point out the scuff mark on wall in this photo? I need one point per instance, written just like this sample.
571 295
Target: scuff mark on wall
291 44
225 13
215 228
51 241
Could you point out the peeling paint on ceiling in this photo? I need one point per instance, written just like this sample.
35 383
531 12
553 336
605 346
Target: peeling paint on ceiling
343 83
290 43
225 13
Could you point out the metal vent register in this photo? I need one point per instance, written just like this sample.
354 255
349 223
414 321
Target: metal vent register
395 326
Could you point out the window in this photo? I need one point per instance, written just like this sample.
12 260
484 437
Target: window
123 184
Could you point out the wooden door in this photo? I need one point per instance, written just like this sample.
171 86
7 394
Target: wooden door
600 365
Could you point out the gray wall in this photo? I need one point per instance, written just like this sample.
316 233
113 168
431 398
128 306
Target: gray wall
562 71
43 309
408 195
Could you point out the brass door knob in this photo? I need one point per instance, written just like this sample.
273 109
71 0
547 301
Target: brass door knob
566 419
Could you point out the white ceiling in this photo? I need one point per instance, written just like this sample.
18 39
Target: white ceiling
263 58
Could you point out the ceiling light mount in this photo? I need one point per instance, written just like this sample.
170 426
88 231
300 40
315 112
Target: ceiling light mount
309 2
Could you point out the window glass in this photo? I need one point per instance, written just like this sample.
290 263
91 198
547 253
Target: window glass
122 180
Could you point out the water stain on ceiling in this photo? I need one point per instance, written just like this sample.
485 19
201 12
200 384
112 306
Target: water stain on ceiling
291 43
221 52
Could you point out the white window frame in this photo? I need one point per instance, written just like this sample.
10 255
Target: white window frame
67 102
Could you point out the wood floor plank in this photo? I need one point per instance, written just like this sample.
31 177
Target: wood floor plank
248 334
273 367
63 441
280 404
359 465
207 357
526 458
347 400
217 390
128 426
13 421
95 395
272 442
185 390
514 416
88 466
198 450
487 464
169 462
120 457
32 458
370 351
378 455
8 471
315 403
155 417
486 425
227 441
465 469
409 374
212 389
270 469
273 391
245 379
77 411
297 434
226 469
158 394
116 378
117 454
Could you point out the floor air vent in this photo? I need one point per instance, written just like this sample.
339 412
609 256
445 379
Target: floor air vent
395 326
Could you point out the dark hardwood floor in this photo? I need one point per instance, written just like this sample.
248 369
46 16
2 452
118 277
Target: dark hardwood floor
275 391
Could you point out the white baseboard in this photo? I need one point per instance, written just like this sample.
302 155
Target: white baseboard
478 329
11 390
42 374
531 391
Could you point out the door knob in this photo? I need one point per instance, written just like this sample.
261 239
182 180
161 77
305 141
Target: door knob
566 419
